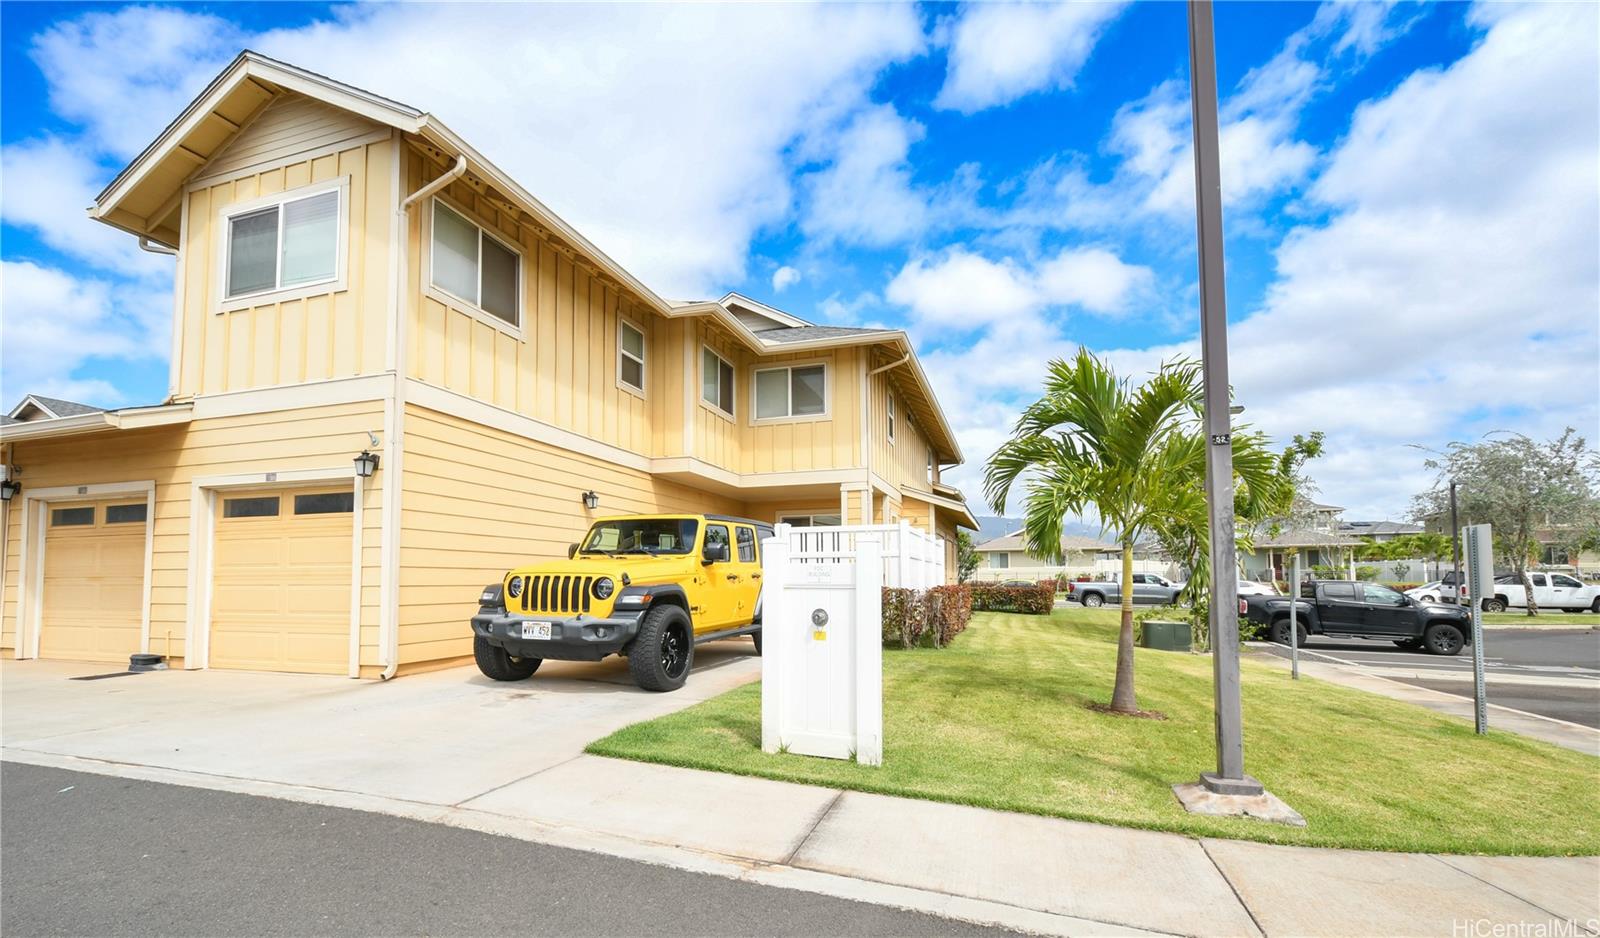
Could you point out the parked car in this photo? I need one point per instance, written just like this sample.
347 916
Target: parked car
1148 588
1256 588
1550 591
1355 609
647 587
1432 592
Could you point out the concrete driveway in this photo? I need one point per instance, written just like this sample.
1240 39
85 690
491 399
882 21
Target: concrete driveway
441 738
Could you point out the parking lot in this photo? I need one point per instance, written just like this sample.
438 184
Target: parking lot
1553 673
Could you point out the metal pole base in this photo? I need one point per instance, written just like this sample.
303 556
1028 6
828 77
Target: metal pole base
1218 785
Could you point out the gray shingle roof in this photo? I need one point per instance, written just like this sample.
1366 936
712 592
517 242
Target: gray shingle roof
813 333
63 408
1069 542
1305 537
1378 528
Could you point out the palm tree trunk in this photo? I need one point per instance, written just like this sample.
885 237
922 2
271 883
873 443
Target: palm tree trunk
1122 698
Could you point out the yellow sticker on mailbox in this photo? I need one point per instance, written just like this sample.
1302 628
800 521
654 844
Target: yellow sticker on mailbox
819 635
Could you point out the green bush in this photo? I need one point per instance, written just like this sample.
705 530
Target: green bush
1367 572
1036 600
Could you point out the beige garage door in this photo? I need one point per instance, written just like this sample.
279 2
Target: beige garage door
280 592
93 580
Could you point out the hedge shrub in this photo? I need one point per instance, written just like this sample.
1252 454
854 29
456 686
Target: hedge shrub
938 615
1037 600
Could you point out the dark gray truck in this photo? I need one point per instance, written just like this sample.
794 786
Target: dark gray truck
1354 609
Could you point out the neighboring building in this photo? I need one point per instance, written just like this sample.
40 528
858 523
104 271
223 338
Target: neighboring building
1314 532
395 373
1007 558
1379 531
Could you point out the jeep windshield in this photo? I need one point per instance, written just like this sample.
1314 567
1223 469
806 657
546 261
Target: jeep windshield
642 536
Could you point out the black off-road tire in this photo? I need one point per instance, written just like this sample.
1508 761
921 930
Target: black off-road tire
1444 639
1093 600
495 662
1280 632
756 637
1494 604
660 657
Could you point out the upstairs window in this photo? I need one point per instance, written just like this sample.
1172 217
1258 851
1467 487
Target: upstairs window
293 242
473 265
630 356
791 392
716 381
891 418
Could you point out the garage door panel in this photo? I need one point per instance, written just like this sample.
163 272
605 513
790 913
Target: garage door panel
93 602
281 590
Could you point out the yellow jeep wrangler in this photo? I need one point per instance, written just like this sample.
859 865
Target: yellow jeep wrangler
649 587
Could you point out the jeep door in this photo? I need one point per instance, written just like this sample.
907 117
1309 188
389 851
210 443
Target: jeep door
718 581
747 560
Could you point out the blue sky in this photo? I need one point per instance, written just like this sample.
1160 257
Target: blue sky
1410 190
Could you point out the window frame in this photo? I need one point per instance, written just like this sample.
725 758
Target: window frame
338 283
786 517
714 406
644 364
461 303
791 417
889 425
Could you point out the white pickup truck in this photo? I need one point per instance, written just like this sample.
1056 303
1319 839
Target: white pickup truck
1550 591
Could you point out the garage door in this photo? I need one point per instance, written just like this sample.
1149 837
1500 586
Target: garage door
93 580
280 592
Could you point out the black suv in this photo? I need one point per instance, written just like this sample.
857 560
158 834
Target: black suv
1364 610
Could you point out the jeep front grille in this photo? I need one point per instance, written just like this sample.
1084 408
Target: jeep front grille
556 594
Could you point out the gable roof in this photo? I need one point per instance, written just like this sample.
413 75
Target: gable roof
1017 541
48 408
145 199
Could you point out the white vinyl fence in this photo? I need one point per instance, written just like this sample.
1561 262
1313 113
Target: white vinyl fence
822 633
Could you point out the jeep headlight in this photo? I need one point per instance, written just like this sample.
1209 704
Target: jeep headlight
514 588
604 587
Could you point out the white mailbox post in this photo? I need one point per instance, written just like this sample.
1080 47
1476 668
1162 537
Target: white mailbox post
822 647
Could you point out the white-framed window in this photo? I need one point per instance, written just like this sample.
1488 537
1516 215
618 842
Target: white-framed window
810 521
999 560
284 245
891 418
791 391
630 356
716 380
473 265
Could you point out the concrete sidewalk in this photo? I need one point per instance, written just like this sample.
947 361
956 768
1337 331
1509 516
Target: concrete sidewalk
452 748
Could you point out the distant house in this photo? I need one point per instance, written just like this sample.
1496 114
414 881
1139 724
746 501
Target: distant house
1007 558
1379 531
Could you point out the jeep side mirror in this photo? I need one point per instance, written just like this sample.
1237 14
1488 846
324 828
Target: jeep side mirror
572 551
715 553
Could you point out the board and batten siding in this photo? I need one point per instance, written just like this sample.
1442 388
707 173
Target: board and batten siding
310 438
799 444
478 501
559 364
905 461
338 333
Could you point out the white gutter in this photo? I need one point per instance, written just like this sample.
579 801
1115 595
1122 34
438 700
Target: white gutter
395 416
145 244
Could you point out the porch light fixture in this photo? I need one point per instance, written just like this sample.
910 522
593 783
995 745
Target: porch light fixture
366 464
8 489
591 501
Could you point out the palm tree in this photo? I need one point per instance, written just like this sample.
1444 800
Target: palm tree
1136 455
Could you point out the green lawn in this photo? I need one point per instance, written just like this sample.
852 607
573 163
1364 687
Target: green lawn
1565 620
999 720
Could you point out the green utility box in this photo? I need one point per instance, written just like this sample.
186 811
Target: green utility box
1165 636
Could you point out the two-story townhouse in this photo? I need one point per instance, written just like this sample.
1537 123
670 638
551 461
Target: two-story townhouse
395 373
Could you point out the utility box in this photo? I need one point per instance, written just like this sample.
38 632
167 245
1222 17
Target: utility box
1166 636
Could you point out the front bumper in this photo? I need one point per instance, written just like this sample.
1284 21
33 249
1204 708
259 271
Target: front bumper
575 638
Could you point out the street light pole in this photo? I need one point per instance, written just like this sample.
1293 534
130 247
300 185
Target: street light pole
1455 543
1229 779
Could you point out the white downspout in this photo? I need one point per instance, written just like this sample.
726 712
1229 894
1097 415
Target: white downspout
394 435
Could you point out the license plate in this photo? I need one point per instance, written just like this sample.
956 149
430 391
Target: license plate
539 631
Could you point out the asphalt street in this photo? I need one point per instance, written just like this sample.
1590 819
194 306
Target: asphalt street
98 855
1550 672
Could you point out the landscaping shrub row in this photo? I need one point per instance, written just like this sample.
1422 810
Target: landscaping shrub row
1037 600
938 614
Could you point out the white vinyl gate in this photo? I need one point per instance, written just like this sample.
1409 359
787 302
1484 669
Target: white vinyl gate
822 647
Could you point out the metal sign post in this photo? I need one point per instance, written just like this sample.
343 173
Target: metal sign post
1479 539
1294 621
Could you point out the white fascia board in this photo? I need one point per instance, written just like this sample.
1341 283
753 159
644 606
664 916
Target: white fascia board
771 312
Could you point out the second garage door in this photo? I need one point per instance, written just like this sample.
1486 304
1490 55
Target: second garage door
280 594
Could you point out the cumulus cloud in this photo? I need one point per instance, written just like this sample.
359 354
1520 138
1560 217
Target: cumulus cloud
784 277
1000 52
965 290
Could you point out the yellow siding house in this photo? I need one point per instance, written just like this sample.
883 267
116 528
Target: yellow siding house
395 374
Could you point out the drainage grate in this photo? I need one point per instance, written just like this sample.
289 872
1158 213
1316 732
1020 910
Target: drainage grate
101 677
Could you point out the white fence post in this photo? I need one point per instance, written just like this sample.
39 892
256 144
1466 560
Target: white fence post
776 643
869 648
902 546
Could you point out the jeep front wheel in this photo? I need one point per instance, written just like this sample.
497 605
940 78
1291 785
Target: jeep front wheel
495 662
756 637
660 657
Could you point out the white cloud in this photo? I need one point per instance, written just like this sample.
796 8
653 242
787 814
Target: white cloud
865 195
965 290
784 277
55 322
1000 52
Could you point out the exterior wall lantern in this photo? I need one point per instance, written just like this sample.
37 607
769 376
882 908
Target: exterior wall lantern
591 501
8 489
366 464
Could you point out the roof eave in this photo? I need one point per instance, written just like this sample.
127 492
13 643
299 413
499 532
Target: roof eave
134 418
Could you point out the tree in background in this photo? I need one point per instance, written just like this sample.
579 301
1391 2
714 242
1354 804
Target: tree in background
1136 455
1520 486
966 556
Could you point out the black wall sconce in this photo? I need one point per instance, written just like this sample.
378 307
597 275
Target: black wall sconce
591 501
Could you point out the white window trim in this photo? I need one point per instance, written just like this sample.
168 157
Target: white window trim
644 365
709 405
460 302
335 284
810 514
827 394
889 424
